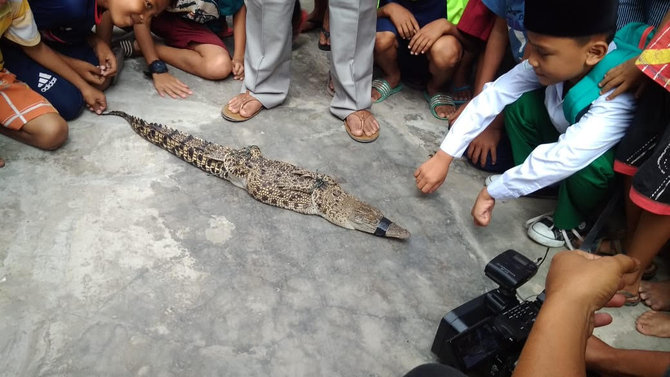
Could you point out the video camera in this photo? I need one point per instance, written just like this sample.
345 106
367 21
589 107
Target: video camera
485 335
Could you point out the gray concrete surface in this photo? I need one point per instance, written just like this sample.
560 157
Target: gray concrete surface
119 259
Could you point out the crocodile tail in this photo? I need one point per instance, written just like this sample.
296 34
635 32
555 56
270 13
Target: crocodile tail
191 149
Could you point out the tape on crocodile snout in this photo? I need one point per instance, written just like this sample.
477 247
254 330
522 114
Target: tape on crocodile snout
382 227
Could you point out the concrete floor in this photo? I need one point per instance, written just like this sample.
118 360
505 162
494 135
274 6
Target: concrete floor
119 259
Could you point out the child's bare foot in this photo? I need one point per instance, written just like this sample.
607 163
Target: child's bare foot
654 323
656 295
2 162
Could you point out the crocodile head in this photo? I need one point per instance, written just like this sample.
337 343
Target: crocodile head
347 211
369 219
238 163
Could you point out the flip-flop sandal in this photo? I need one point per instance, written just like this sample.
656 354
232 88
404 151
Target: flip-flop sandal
439 99
384 88
363 138
228 115
325 46
464 88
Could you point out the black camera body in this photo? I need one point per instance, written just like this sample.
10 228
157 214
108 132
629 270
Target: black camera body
486 334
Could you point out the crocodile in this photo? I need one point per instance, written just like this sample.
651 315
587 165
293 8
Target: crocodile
272 182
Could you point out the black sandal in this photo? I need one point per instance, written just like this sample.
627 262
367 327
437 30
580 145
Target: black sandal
325 46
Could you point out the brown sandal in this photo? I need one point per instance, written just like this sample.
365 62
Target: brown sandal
363 115
227 114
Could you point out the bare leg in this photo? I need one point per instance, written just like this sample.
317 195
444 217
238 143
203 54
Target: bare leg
323 38
656 295
654 323
651 233
461 77
48 131
208 61
386 57
632 213
316 17
443 57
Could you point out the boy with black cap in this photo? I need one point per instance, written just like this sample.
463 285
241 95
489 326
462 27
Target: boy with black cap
560 127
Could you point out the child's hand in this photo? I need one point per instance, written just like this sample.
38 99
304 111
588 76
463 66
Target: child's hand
483 208
402 19
90 73
432 173
165 83
238 69
485 142
624 77
95 99
423 40
107 60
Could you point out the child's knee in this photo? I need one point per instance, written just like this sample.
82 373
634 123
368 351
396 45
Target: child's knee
446 52
217 67
50 131
384 41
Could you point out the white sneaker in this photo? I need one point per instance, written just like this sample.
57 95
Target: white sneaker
491 178
542 230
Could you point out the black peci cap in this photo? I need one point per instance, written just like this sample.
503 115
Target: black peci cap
570 18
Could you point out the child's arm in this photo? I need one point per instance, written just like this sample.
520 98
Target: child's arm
239 30
494 53
432 173
403 20
42 54
106 58
101 42
427 35
477 115
164 83
626 76
482 210
106 27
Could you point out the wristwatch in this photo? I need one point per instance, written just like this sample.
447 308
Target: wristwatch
157 66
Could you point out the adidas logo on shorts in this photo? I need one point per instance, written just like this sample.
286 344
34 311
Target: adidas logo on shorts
46 81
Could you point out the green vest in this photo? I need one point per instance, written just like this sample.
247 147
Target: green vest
630 42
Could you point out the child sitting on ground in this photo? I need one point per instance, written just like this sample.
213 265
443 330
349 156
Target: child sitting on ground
419 33
26 115
561 129
189 30
641 158
66 26
490 150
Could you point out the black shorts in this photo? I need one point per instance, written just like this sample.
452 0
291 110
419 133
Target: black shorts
644 153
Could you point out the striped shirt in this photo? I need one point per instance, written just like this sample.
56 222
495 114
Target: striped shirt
17 25
654 60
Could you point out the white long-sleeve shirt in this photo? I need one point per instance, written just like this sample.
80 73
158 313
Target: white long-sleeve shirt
579 144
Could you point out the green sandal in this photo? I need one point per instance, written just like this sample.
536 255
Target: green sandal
439 99
384 88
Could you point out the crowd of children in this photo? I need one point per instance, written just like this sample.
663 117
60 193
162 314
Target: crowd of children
557 108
